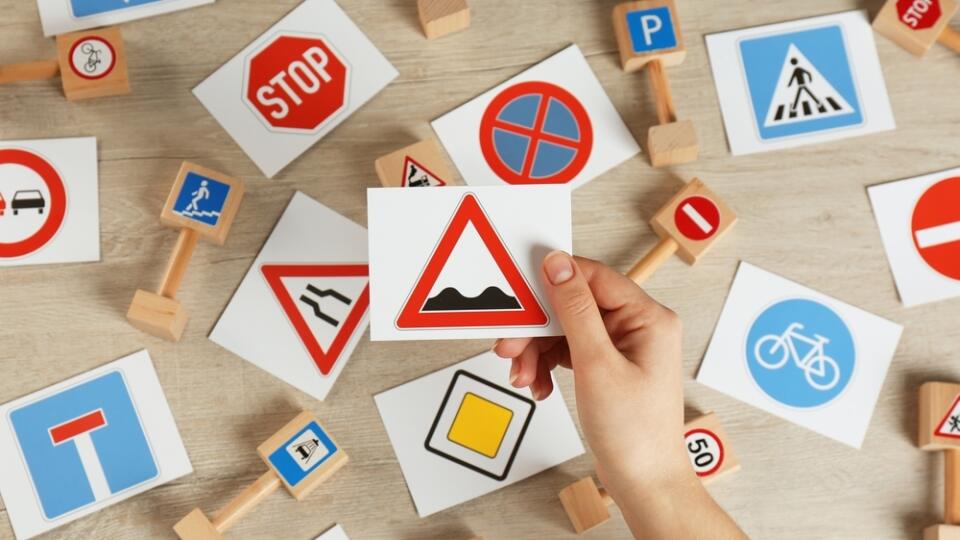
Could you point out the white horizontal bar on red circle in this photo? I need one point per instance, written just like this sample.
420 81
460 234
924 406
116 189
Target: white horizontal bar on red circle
941 234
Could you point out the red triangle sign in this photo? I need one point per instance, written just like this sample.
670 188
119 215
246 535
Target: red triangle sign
416 175
450 309
325 359
949 426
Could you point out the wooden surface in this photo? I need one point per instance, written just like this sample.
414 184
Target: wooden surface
803 213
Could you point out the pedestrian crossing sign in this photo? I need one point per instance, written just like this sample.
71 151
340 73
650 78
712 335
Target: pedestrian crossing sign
203 200
800 82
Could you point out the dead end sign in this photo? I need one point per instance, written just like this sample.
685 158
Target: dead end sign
936 227
296 83
322 288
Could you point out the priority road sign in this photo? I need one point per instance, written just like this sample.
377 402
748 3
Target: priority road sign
54 204
935 227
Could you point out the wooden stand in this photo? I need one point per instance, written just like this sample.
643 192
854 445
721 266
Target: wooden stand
91 63
441 17
161 314
282 445
939 430
671 142
917 32
689 224
418 165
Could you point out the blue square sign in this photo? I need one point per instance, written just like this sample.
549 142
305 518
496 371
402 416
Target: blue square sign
83 445
651 30
201 199
800 82
302 454
85 8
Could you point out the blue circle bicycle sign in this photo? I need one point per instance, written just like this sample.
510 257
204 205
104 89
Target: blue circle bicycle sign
800 353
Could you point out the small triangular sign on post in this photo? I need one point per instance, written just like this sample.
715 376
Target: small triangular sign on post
523 309
950 425
416 175
324 357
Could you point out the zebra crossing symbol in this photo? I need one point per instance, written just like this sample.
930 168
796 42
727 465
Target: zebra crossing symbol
803 93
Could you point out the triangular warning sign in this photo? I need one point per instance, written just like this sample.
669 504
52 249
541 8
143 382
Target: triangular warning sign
416 175
803 93
323 312
950 425
449 307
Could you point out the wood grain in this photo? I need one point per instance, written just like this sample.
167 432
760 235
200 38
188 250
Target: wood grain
804 213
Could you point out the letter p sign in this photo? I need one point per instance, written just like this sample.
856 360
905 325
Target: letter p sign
651 29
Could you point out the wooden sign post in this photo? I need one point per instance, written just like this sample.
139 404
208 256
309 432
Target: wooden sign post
939 430
690 223
648 34
418 165
301 456
202 203
91 63
441 17
916 25
711 457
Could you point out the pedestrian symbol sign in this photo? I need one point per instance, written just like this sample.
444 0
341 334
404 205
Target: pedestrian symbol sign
800 82
325 304
416 175
302 454
201 199
83 445
950 425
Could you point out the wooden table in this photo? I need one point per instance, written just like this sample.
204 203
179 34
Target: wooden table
804 214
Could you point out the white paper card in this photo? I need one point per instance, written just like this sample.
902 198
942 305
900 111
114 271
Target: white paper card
551 124
62 16
464 431
462 262
87 443
303 305
919 220
799 82
295 83
49 210
334 533
800 355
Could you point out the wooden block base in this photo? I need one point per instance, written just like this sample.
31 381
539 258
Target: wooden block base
196 526
672 144
941 532
442 17
157 315
585 504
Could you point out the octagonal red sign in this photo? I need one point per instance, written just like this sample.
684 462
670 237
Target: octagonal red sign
919 14
296 83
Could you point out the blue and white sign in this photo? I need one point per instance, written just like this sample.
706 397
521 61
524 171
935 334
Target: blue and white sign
90 466
310 448
201 199
651 30
800 82
800 353
61 16
85 8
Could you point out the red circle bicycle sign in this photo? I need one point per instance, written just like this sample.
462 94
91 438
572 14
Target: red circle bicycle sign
536 133
935 227
57 207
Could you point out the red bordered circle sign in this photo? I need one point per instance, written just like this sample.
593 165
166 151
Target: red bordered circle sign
57 207
703 442
96 74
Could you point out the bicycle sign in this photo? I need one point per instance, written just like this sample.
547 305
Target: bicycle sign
800 353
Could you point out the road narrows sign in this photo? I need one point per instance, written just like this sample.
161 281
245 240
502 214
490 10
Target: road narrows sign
522 309
325 358
936 227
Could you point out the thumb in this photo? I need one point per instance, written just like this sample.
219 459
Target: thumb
573 302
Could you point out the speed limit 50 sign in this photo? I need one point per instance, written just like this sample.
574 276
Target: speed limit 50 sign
295 83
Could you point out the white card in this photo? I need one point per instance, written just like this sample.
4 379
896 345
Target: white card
464 431
62 16
334 533
464 263
49 210
558 104
800 82
295 83
800 355
919 222
303 306
87 443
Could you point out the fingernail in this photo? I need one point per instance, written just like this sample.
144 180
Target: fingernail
559 267
495 345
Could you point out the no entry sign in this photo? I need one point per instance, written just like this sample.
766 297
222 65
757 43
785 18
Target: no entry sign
936 227
697 218
56 208
296 83
919 14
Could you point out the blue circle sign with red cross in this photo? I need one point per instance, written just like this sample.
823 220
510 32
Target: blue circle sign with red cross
536 133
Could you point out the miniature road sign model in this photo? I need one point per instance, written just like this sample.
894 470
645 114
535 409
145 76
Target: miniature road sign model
648 34
916 25
91 63
418 165
301 456
690 224
202 203
710 454
939 429
442 17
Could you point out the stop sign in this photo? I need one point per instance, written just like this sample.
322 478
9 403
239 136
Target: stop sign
919 14
936 227
295 83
